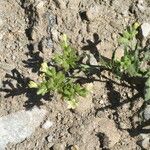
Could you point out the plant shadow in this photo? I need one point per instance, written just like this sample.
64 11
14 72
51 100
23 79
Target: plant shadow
92 46
35 60
21 88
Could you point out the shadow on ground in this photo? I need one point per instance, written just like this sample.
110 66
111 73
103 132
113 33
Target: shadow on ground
22 88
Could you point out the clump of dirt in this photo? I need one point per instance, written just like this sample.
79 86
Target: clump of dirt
30 33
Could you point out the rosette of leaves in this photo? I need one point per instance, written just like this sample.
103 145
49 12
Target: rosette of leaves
56 79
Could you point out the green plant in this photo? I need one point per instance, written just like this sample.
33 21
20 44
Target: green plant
58 78
134 62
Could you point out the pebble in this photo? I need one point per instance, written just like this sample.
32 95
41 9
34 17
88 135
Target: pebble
123 125
47 43
146 112
49 138
59 146
74 147
93 60
51 19
47 125
145 29
145 143
104 96
18 126
141 6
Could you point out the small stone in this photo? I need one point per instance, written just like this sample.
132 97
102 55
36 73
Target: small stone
101 102
119 53
47 125
74 147
146 113
104 96
123 125
89 58
144 136
55 34
100 114
51 20
50 145
20 125
145 143
145 29
59 146
47 43
40 5
93 60
49 138
141 6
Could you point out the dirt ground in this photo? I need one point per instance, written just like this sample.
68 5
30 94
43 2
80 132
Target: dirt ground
30 33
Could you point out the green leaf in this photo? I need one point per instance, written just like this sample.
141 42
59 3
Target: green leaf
44 67
123 40
126 35
147 90
42 90
72 104
136 25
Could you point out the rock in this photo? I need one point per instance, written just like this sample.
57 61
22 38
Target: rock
90 59
123 125
93 60
145 29
55 34
146 113
51 19
119 53
46 43
20 125
59 146
47 124
40 7
141 6
74 147
49 138
144 136
145 143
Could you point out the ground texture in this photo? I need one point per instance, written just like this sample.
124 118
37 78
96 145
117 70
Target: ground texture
30 33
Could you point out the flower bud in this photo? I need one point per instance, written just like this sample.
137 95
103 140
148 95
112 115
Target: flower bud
32 84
